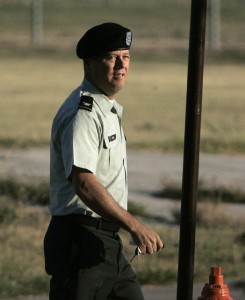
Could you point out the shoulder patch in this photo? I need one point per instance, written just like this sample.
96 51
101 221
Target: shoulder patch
86 102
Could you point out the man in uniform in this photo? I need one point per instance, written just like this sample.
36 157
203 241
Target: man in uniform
88 180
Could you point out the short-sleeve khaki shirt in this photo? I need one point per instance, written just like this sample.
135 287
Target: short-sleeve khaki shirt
87 133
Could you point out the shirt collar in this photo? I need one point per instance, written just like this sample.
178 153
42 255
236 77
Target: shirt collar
102 101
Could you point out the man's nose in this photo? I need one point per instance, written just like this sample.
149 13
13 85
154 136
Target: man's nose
119 63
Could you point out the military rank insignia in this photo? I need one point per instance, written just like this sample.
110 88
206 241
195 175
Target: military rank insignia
86 102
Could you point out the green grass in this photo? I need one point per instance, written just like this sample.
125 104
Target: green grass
38 193
154 115
212 248
157 18
21 257
38 78
26 192
24 218
206 191
21 239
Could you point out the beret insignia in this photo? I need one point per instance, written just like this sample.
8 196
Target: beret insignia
102 38
128 38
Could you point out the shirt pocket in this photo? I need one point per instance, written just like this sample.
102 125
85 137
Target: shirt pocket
111 155
110 139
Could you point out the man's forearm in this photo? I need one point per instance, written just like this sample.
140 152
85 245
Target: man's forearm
97 198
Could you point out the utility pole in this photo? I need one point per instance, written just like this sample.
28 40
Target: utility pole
191 150
37 21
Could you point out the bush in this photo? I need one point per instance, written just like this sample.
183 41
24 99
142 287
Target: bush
7 213
25 192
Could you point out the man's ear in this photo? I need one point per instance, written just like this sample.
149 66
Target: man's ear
86 62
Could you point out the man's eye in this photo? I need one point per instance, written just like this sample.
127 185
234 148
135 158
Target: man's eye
110 58
113 58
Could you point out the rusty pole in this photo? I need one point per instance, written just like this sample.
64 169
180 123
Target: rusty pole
191 150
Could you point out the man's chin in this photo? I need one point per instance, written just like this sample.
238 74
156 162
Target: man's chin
119 84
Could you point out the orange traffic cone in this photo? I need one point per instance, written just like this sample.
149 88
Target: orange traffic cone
215 289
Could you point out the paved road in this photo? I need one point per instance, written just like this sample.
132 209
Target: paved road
148 171
169 292
146 168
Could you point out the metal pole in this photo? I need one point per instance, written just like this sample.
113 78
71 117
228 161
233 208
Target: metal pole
191 150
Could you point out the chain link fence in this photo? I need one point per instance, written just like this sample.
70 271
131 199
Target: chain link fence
159 26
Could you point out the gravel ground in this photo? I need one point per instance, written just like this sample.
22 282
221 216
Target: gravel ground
147 173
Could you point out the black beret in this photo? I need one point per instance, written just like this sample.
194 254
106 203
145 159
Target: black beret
103 38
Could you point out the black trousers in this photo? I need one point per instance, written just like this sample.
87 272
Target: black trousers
87 264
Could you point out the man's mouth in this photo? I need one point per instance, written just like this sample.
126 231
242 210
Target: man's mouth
118 75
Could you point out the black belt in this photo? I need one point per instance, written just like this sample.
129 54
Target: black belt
97 223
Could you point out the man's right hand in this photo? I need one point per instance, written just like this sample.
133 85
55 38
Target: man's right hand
146 239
